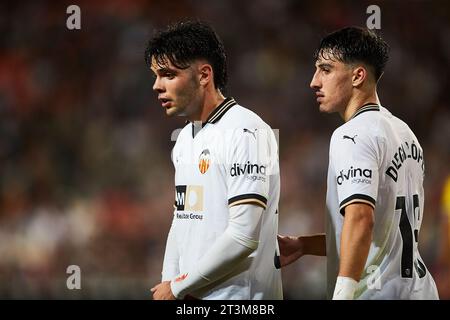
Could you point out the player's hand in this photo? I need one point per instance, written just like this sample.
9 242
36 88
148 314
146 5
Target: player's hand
162 291
291 248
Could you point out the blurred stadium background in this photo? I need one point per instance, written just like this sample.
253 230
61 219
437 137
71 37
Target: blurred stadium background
85 171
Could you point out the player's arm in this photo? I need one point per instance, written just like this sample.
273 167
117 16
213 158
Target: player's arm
355 243
171 256
293 248
170 269
247 199
357 200
238 241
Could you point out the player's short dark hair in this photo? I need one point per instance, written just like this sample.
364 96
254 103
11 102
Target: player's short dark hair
184 42
355 44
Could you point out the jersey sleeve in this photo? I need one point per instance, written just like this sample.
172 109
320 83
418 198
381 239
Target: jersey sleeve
171 256
250 159
354 159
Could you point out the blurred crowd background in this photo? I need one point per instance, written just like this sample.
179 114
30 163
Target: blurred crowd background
85 172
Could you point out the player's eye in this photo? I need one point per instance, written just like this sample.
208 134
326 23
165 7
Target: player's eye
169 75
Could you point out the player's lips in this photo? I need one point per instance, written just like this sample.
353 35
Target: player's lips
164 102
319 96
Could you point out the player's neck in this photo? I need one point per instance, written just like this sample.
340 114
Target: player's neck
212 100
357 102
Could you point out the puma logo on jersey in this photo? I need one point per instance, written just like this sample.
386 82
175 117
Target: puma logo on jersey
350 138
251 132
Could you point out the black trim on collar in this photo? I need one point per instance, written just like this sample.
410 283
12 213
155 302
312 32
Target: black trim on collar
219 111
216 114
367 107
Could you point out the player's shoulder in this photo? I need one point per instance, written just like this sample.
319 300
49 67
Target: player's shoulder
181 134
383 125
352 130
366 127
399 124
185 130
242 117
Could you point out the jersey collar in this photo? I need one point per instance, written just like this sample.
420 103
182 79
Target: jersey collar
215 115
219 111
367 107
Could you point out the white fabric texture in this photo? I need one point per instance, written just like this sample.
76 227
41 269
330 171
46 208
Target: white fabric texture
238 241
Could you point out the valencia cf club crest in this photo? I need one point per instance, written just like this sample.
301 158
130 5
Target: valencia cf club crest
203 161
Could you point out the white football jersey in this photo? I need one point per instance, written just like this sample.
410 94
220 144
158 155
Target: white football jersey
231 159
376 159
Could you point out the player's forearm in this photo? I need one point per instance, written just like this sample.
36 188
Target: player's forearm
238 241
355 242
220 260
314 245
171 256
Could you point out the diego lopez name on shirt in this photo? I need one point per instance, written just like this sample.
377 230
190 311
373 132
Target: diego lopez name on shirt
405 152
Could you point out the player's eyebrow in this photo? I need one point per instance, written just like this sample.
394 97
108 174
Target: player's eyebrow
323 65
163 70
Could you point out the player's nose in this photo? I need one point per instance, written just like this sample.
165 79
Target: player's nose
315 83
158 85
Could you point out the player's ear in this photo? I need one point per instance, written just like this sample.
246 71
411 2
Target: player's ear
206 74
359 76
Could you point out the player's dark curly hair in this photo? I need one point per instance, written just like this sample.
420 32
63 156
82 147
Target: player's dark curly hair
186 41
355 44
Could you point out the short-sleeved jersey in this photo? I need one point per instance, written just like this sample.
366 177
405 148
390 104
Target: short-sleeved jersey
376 159
229 160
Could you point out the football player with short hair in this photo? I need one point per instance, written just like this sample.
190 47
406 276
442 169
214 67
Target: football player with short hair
375 196
222 241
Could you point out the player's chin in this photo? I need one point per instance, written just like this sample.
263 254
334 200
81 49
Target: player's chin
323 108
172 111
